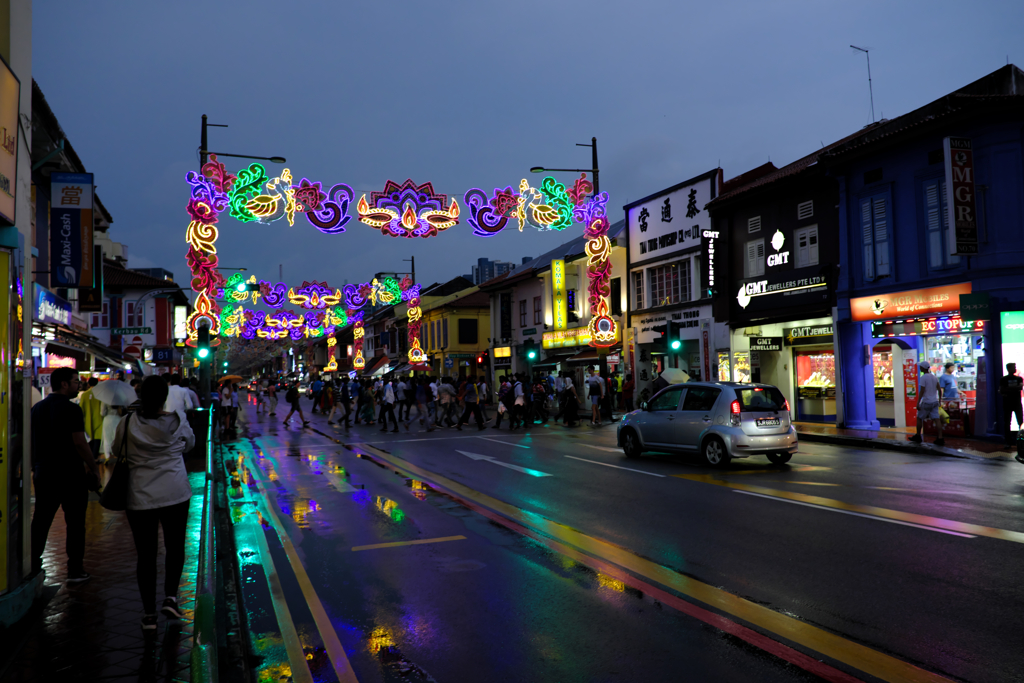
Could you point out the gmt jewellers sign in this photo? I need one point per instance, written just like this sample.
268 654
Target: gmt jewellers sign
784 289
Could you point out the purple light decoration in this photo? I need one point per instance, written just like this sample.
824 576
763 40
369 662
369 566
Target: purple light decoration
489 217
411 293
328 216
430 211
274 296
592 209
354 297
206 190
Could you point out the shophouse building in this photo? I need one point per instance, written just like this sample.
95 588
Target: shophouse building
931 214
665 262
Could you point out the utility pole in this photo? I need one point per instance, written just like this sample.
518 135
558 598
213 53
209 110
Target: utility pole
412 260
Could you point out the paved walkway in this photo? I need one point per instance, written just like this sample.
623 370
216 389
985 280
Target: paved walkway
899 439
91 631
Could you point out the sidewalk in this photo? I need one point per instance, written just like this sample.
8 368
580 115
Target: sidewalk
897 439
91 631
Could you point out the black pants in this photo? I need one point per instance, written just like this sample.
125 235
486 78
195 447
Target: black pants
144 523
539 408
316 400
450 411
385 410
73 497
1010 409
472 409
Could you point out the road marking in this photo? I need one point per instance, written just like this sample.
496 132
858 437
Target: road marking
628 469
342 667
604 448
505 443
853 654
400 543
488 458
923 520
857 514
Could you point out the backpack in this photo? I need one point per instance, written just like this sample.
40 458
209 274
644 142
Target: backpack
292 396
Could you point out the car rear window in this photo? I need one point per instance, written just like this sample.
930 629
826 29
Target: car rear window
761 399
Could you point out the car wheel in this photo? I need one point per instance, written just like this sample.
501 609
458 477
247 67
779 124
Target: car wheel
631 444
715 453
780 458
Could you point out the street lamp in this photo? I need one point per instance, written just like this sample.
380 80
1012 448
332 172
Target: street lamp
593 159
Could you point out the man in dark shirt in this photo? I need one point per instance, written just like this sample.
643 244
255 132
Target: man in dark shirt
64 470
1010 386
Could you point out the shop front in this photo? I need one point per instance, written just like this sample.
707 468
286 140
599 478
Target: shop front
693 327
929 325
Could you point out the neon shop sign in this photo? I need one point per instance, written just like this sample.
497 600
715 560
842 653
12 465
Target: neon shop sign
905 328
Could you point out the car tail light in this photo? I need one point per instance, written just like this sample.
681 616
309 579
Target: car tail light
785 404
735 407
735 410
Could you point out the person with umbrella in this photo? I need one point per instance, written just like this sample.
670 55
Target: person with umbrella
112 395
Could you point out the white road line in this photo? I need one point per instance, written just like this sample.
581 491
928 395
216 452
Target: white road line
409 440
517 468
857 514
603 448
505 443
628 469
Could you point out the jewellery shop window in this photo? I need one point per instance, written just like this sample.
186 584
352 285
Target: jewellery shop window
815 373
741 367
881 358
723 366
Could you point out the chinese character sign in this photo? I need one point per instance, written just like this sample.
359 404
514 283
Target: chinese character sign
71 252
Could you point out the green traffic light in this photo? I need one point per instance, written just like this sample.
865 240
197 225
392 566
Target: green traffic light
531 355
240 287
225 363
676 344
203 353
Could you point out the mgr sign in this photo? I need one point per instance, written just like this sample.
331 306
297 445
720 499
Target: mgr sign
960 198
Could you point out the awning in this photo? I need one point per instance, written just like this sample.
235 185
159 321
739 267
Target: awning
552 361
590 355
401 370
375 364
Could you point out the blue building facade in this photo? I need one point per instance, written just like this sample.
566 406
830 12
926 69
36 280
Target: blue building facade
898 297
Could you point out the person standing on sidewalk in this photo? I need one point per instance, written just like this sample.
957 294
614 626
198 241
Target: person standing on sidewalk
540 396
158 495
1010 386
595 386
928 403
64 471
947 384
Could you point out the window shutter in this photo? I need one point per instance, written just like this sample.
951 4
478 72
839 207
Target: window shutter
933 223
754 224
869 251
805 210
881 237
812 247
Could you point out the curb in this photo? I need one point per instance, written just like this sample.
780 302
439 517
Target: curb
890 445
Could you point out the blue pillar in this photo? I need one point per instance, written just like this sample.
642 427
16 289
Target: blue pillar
857 376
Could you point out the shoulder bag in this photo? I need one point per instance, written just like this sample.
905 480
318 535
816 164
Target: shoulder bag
115 494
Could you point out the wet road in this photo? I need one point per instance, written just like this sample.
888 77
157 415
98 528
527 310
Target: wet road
464 556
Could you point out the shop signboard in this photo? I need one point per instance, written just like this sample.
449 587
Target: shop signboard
71 247
923 326
51 308
10 99
672 220
765 344
576 336
975 306
163 355
911 303
560 309
711 256
962 217
910 372
687 322
783 289
1011 324
807 335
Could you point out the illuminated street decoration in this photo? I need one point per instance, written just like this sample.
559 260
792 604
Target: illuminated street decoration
558 200
332 364
202 310
330 214
599 269
314 296
490 216
408 210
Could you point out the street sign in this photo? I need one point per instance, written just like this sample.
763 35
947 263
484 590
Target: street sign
448 363
131 330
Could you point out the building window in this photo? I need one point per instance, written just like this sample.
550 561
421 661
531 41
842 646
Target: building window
101 321
538 311
936 222
754 264
616 296
874 223
467 331
638 289
754 224
522 313
670 284
445 330
805 210
131 319
806 246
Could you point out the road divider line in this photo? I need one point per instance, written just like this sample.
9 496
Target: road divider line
603 448
923 520
396 544
628 469
857 514
504 443
342 667
855 655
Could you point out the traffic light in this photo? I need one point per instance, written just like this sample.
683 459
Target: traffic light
484 359
662 339
674 343
225 363
530 350
203 343
247 287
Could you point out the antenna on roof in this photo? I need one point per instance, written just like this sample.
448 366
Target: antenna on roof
870 90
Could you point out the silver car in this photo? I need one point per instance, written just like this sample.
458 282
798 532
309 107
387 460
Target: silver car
719 420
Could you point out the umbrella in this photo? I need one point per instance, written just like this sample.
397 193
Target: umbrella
675 376
114 392
230 378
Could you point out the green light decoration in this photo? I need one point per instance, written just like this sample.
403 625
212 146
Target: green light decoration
245 188
559 200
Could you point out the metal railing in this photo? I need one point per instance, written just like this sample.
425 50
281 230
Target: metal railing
204 634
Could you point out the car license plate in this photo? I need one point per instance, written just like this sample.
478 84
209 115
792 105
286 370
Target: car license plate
768 422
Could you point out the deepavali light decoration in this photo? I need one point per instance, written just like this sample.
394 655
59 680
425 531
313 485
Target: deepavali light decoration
314 296
332 364
408 210
552 207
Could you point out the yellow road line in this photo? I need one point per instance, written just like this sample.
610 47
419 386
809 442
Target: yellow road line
923 520
342 667
399 543
858 656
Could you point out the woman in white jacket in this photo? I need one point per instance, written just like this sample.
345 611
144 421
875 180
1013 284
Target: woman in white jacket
158 493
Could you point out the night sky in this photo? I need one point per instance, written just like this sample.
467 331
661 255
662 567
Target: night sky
472 94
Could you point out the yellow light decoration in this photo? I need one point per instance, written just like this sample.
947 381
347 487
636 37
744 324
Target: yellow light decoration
415 313
262 205
409 220
448 218
332 341
202 309
297 299
598 249
201 236
359 362
540 213
378 219
358 332
416 354
332 299
332 365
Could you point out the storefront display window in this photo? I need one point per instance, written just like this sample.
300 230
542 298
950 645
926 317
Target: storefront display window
741 367
963 350
815 373
723 367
